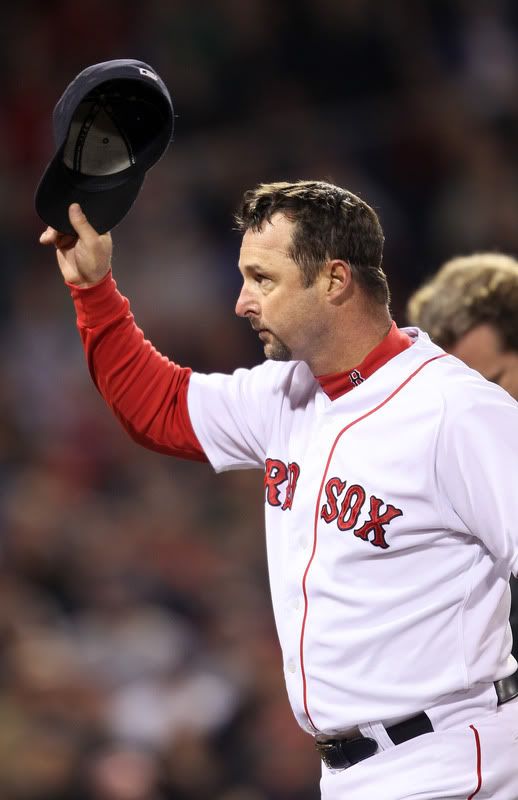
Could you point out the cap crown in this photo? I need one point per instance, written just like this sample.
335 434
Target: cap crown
112 123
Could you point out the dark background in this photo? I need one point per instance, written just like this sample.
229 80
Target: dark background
138 657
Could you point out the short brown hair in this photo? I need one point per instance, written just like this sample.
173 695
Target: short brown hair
330 222
468 291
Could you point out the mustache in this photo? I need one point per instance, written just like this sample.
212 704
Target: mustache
255 326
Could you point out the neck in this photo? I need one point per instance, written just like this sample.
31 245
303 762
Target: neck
360 335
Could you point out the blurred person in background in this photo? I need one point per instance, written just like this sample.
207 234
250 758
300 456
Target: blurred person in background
470 308
123 771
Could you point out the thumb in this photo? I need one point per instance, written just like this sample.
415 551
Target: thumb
80 224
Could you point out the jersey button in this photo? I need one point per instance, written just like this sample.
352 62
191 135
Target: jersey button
296 604
303 542
291 666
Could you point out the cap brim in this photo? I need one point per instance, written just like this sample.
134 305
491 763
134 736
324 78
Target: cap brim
104 206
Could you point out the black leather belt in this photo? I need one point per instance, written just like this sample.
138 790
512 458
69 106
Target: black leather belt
507 688
343 753
339 753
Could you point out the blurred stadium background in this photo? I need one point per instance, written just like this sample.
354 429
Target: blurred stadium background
138 657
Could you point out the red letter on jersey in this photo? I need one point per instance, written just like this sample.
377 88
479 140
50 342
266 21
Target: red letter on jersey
376 522
334 488
293 476
353 509
276 473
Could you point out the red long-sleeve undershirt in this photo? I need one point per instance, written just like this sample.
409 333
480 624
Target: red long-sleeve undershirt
146 391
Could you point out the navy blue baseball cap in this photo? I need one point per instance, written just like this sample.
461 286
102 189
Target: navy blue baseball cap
112 123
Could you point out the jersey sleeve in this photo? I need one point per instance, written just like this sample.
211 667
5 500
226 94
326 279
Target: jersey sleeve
146 391
477 469
234 416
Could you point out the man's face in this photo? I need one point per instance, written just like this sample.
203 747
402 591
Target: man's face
481 348
288 317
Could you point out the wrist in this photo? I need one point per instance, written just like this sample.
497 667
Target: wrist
83 285
88 284
95 304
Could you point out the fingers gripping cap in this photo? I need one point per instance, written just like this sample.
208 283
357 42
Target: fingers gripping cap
112 123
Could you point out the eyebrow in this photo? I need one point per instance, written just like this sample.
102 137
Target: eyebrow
254 268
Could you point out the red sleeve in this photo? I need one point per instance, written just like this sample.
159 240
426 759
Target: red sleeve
147 392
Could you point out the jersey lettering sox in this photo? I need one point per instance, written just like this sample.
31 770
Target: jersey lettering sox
391 525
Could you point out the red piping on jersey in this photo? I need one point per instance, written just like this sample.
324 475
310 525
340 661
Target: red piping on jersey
317 507
479 762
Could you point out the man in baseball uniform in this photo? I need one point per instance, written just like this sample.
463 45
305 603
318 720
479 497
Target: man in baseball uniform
470 308
390 492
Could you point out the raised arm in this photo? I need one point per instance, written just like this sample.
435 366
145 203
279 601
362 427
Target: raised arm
146 391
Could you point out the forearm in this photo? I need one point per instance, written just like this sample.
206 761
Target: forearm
147 392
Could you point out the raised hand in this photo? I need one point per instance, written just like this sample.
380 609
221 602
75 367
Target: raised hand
83 259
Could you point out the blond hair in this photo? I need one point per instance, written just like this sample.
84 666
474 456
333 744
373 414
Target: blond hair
468 291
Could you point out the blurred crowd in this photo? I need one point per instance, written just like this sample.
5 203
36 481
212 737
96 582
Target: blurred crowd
138 656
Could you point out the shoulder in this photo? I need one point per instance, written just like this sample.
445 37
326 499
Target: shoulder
462 390
290 378
449 381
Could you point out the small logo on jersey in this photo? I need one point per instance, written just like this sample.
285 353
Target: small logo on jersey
356 377
276 475
345 505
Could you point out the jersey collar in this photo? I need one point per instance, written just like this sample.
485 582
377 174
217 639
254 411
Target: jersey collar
337 384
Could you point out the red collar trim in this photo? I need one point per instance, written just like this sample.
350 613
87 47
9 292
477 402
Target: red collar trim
339 383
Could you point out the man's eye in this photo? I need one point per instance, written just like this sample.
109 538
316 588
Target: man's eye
261 278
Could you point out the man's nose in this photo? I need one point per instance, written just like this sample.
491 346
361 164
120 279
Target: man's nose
246 304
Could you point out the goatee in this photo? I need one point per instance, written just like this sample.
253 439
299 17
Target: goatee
278 351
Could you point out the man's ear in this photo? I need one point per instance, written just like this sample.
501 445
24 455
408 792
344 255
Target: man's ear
339 280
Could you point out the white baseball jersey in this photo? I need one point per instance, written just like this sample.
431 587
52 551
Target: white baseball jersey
391 517
392 529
